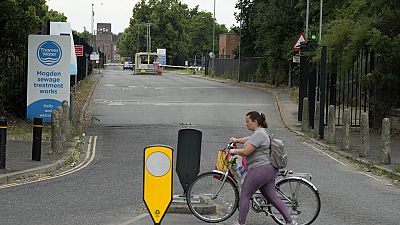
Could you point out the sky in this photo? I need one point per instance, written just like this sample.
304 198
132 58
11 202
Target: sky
118 12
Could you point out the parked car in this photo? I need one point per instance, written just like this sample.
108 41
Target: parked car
128 66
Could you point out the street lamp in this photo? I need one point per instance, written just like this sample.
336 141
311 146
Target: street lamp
320 18
307 16
214 29
320 21
240 36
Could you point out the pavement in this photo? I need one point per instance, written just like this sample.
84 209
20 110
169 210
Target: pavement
19 163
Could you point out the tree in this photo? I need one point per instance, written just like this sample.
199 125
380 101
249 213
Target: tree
85 35
18 19
268 30
184 32
55 16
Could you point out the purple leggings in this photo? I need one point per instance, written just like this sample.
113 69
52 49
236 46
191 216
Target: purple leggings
261 178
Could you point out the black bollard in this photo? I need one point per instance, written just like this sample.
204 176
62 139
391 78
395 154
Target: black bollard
37 139
188 156
3 142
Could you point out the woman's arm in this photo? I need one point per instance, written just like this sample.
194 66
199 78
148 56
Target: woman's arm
247 150
240 140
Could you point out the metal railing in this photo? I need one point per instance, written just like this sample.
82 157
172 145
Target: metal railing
246 70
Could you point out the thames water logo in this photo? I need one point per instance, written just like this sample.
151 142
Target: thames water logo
49 53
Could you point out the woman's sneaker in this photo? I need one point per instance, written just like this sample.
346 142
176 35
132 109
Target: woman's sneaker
293 223
237 223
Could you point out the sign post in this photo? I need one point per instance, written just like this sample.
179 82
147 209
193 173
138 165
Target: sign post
79 50
157 181
48 74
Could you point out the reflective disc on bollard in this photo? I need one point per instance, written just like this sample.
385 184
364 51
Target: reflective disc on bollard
157 180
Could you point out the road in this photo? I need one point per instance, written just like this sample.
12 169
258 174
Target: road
132 112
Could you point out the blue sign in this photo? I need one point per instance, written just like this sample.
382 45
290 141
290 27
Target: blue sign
162 54
48 83
49 53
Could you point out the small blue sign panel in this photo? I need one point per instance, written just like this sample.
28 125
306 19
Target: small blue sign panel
49 53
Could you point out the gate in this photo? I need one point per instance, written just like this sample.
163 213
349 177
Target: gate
332 82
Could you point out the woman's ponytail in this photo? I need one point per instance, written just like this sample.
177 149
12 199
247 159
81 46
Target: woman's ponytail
263 122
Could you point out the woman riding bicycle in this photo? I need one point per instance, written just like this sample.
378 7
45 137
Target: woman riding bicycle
261 174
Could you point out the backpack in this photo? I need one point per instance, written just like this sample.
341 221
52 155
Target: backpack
277 154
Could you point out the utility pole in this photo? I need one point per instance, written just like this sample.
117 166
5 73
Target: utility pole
148 26
320 22
93 26
240 36
214 30
307 17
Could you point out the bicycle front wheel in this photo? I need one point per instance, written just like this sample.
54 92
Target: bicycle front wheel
301 198
216 200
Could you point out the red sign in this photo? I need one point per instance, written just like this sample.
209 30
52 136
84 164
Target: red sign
300 39
79 50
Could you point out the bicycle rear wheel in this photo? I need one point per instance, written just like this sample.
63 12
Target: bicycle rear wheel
213 207
301 198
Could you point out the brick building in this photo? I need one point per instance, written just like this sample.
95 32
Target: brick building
105 42
227 44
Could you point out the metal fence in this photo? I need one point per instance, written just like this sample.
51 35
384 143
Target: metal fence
83 62
246 70
345 89
13 76
13 79
340 85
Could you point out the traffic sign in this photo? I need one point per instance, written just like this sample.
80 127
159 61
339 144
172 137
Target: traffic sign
79 50
157 180
296 59
300 39
94 56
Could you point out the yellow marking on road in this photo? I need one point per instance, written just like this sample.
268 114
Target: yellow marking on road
91 152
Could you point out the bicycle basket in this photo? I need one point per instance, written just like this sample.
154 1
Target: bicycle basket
221 164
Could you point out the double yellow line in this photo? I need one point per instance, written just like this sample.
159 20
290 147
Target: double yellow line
91 152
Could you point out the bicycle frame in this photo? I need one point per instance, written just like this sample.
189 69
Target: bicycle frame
258 195
225 176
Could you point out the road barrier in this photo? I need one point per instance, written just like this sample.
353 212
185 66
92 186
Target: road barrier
37 139
3 143
188 156
157 180
364 151
386 152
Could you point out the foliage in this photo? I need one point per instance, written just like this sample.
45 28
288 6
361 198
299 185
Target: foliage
85 35
184 32
18 19
269 28
372 26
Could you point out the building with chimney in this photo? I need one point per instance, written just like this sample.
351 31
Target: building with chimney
228 43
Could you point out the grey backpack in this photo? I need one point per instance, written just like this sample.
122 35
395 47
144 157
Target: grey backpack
277 155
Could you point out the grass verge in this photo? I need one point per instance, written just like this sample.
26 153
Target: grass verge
19 129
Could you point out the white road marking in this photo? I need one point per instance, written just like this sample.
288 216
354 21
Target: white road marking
320 151
91 152
117 102
338 161
133 220
163 88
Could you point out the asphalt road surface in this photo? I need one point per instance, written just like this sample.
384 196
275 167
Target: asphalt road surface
132 112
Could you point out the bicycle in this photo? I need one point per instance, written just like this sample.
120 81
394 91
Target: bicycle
220 191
